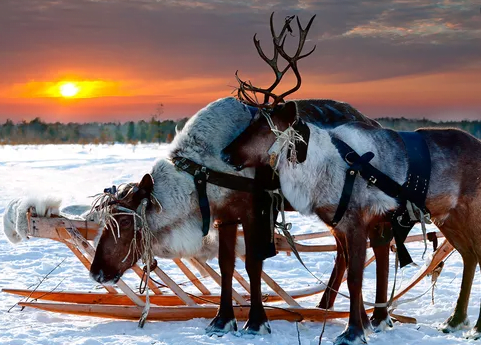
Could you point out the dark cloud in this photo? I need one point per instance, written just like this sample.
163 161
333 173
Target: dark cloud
169 39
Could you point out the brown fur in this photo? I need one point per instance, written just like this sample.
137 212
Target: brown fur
454 200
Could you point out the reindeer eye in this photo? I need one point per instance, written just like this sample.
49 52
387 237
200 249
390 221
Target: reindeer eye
125 222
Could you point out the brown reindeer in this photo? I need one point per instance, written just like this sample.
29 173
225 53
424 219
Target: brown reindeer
176 225
315 186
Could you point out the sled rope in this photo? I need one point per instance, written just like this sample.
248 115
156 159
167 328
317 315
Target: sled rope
285 227
40 283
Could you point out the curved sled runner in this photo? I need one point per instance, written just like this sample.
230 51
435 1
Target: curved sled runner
178 304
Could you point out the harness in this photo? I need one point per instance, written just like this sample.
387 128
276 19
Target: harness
202 175
257 186
411 195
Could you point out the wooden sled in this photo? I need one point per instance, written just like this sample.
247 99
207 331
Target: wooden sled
121 302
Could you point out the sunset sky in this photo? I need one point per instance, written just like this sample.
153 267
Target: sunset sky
123 57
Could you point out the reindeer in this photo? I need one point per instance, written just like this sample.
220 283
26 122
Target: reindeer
315 186
165 206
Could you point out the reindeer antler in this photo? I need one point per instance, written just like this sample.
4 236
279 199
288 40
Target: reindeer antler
246 92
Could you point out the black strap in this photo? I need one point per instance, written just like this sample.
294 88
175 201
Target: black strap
368 172
200 181
414 189
351 173
234 182
202 175
375 178
360 165
416 186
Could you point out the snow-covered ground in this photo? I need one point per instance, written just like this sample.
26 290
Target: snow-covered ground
76 172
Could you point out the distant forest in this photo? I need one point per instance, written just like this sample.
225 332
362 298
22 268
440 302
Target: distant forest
403 124
39 132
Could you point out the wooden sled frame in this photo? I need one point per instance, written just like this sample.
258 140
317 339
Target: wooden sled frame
180 305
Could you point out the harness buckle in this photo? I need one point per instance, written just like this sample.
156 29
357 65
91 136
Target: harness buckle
372 180
347 160
202 170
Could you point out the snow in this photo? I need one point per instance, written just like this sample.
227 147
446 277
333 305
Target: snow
76 172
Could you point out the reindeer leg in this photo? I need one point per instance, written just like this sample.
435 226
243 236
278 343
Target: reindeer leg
257 323
225 321
356 248
459 318
329 296
380 318
366 323
475 333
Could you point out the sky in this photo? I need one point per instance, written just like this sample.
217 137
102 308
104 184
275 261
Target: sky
124 57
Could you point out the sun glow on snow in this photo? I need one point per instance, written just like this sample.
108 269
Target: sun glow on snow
68 89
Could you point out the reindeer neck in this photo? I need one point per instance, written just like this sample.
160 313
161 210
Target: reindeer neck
318 182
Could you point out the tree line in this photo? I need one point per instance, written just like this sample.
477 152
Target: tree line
39 132
403 124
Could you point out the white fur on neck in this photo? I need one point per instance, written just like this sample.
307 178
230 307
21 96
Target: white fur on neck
320 179
178 227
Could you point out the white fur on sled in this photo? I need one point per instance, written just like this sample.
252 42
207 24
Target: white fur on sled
15 224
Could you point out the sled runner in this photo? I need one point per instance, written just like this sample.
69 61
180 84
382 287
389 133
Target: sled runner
122 302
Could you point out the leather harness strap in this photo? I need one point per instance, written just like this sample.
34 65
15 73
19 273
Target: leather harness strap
235 182
203 175
360 165
200 181
414 190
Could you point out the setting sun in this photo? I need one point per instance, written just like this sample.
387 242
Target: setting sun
68 89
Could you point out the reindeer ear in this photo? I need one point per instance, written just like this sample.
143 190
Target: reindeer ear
287 111
146 186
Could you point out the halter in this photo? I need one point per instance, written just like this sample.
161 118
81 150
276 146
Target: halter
104 204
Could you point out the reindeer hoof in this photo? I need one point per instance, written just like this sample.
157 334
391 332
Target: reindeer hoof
474 334
366 325
325 305
220 326
351 336
454 324
254 328
380 325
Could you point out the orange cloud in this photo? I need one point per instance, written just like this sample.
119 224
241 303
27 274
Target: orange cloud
185 90
51 89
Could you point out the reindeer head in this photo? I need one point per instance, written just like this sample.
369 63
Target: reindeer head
252 147
121 243
272 124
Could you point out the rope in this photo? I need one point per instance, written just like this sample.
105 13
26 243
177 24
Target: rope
288 138
147 256
285 227
40 283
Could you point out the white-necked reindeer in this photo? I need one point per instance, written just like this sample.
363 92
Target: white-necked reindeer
315 187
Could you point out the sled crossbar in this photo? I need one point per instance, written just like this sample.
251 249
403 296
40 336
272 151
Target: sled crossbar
170 302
